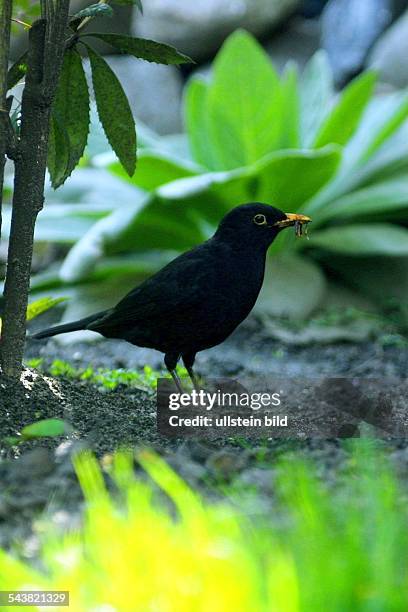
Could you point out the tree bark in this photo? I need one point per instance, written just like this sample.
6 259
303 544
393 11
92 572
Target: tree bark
45 55
5 24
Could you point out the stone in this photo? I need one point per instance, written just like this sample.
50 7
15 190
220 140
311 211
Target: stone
312 8
389 54
224 464
350 29
36 463
199 28
297 42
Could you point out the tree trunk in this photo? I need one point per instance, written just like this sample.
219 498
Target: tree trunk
5 22
45 54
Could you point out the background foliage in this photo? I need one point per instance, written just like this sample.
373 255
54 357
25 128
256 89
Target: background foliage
340 158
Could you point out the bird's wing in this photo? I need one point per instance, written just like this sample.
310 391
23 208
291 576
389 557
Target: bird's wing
177 288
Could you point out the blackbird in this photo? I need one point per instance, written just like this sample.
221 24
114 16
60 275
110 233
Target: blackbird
197 300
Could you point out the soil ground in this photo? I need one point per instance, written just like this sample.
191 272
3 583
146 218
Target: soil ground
37 479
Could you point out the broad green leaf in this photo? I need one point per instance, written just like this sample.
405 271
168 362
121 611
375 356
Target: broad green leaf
387 162
143 48
293 287
244 103
344 118
391 163
388 127
71 115
316 91
95 10
96 242
47 428
289 178
93 189
114 111
62 223
290 137
381 121
381 197
154 170
196 119
185 188
177 147
363 239
17 71
58 151
39 306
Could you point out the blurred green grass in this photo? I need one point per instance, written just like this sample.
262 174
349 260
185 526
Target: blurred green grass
328 546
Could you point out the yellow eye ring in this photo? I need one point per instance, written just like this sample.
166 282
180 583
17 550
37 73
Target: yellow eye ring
259 220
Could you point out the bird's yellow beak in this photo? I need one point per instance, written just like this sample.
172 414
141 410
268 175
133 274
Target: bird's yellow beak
293 219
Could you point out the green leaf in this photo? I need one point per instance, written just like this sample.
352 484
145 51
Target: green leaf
343 120
387 128
381 122
381 197
197 123
316 90
114 112
189 187
39 306
58 152
13 440
244 103
95 10
17 71
365 239
70 123
289 178
61 223
47 428
143 48
290 137
96 242
154 170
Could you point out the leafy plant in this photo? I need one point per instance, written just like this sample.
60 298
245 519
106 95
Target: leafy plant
337 547
50 129
34 309
46 428
253 135
105 378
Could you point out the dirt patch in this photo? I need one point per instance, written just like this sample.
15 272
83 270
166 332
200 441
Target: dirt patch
38 476
103 421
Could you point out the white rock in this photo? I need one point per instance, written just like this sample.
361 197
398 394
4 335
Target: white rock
389 55
198 28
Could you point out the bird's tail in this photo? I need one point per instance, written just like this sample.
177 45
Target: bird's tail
67 327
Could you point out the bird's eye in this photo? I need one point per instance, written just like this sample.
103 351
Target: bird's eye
259 220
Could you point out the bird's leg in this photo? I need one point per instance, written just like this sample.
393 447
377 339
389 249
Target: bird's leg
170 361
188 361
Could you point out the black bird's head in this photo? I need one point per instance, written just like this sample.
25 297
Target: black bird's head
257 224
